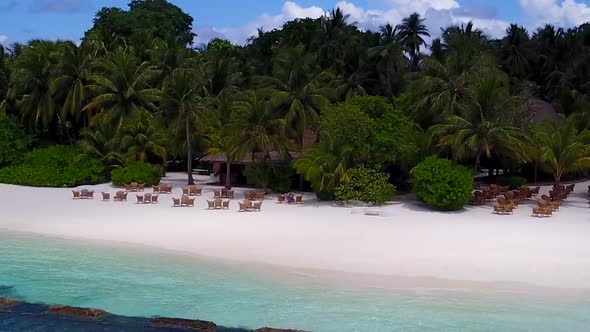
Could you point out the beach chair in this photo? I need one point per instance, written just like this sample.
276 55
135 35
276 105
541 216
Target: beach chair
217 203
230 194
477 198
76 194
198 191
122 196
224 193
256 206
176 201
139 199
106 196
185 191
147 198
244 207
280 199
140 186
217 194
225 205
184 200
535 191
299 199
128 187
156 189
210 205
155 199
134 186
260 195
192 191
190 202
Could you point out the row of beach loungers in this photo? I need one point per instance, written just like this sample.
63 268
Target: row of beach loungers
508 200
187 199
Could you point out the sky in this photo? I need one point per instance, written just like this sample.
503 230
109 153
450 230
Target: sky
236 20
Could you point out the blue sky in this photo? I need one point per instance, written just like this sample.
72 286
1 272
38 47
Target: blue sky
236 20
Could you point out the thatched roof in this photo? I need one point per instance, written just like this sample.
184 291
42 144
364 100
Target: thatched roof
258 157
539 111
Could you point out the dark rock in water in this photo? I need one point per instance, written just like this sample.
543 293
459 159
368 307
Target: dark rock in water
270 329
7 302
199 325
77 312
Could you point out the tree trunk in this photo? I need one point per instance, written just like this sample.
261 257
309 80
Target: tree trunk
477 160
228 175
189 156
302 146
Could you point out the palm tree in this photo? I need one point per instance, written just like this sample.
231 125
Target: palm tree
324 166
411 33
486 125
102 142
515 50
182 98
390 60
32 79
123 87
260 128
140 139
295 88
70 84
563 148
226 142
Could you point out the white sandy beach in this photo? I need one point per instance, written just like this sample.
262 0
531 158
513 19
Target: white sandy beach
409 242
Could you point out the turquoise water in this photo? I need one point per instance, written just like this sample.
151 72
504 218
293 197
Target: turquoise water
134 282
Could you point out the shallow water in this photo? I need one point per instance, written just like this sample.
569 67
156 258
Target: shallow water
134 281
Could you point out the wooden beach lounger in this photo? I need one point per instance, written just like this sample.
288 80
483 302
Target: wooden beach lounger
210 205
155 199
176 201
299 199
120 196
280 199
76 194
106 196
139 199
226 204
256 206
217 203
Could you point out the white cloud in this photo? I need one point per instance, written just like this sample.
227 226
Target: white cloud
267 22
568 13
3 39
438 13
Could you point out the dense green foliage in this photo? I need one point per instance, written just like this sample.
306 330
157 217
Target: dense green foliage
135 89
365 185
14 141
55 166
442 184
514 182
266 175
137 171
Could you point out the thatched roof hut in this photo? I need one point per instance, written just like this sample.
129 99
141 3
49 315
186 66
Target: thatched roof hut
540 111
258 157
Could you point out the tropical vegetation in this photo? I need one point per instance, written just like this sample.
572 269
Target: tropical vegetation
317 97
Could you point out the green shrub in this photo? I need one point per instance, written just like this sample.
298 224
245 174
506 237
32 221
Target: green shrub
14 141
137 171
366 185
513 181
55 166
442 184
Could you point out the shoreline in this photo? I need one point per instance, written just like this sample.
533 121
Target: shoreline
414 246
318 278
